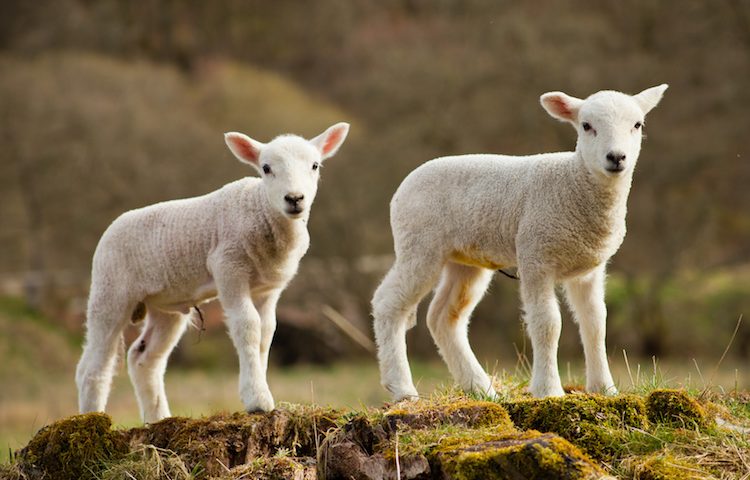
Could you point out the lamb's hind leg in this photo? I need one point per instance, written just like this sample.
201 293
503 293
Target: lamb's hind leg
394 307
586 298
147 361
460 289
105 320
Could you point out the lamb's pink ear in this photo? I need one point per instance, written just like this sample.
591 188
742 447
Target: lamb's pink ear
329 141
650 97
561 106
244 148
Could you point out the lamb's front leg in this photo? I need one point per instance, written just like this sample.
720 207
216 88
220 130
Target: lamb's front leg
586 298
244 324
267 310
543 323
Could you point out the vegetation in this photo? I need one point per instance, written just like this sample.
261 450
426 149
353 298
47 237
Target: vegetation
667 434
72 448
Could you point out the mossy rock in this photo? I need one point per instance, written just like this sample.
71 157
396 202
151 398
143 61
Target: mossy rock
675 408
455 439
228 440
466 413
76 447
592 422
520 455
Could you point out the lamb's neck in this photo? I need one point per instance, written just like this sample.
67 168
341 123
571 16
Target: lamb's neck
607 193
284 230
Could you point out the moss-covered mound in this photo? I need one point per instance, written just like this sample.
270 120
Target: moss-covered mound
595 423
667 434
519 455
225 441
675 408
76 447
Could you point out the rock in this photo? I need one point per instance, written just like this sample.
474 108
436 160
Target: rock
357 451
518 456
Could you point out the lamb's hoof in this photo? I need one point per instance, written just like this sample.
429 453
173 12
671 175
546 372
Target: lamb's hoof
401 394
259 403
545 391
609 390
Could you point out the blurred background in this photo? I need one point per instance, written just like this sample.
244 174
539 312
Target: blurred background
111 105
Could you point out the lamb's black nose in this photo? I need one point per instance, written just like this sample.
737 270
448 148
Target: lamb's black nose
616 158
293 200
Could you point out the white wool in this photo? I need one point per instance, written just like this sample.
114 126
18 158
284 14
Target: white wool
557 217
242 243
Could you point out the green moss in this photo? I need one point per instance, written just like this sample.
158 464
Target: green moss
675 408
592 422
518 455
426 440
75 447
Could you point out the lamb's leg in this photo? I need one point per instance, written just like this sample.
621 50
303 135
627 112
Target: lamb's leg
543 322
245 330
105 320
586 298
147 361
267 310
394 308
460 289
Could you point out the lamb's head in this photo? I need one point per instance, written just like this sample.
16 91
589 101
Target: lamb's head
289 165
609 125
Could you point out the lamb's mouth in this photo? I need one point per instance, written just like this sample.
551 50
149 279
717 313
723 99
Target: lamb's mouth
294 212
615 169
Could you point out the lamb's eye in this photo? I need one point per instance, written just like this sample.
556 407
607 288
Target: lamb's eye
315 165
638 125
586 126
266 168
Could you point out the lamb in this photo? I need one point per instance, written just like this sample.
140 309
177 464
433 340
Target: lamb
557 217
242 243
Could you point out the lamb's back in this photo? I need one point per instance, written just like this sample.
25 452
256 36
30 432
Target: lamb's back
168 242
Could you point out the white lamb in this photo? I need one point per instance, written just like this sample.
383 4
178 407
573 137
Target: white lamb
242 243
558 217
